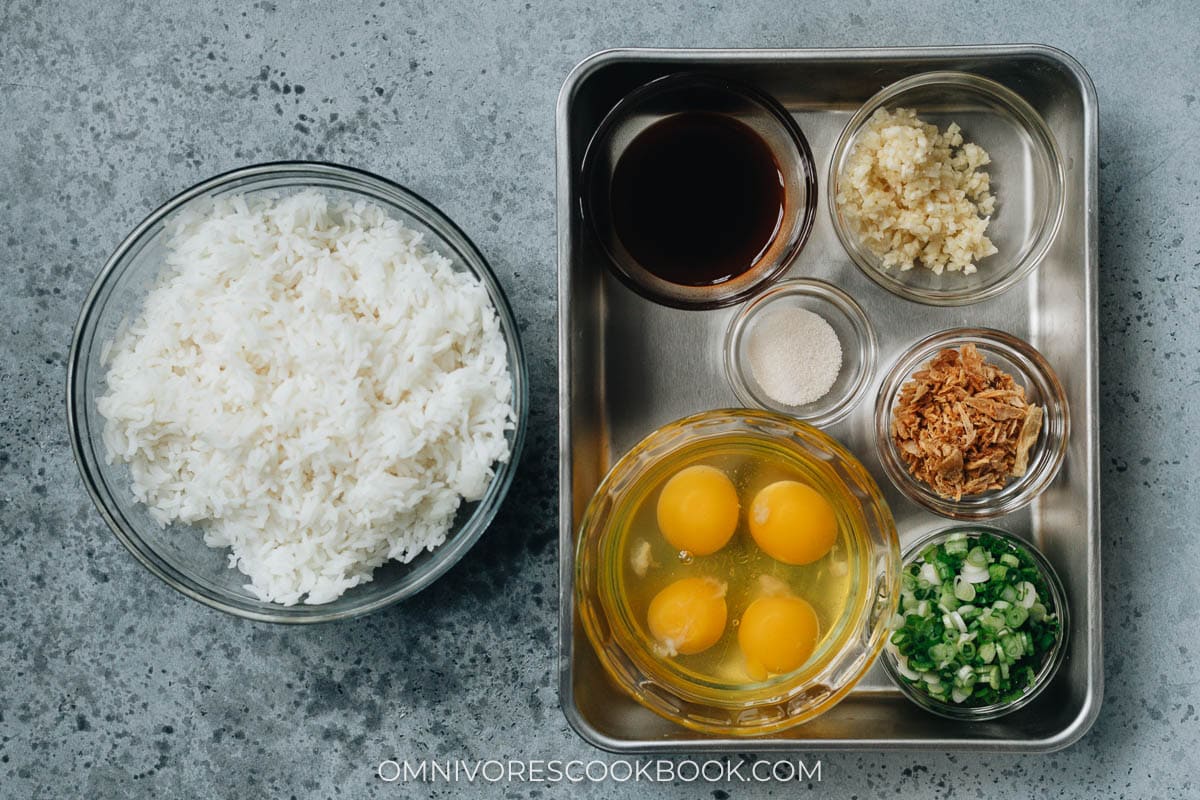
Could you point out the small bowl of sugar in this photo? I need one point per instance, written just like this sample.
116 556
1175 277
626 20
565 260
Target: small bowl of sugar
803 348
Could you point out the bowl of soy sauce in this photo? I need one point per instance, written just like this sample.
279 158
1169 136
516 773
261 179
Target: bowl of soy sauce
700 190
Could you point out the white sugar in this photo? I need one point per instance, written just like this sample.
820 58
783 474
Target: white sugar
794 355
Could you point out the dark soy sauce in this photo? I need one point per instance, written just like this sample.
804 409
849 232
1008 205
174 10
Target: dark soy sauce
697 198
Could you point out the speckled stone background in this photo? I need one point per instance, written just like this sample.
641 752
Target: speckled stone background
113 685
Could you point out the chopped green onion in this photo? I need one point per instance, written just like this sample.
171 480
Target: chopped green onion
975 573
974 624
1016 616
941 653
992 622
902 665
1014 647
956 545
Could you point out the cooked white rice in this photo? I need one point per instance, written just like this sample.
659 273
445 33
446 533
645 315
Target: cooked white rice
313 386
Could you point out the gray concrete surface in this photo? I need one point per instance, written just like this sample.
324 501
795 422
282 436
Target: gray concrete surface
113 685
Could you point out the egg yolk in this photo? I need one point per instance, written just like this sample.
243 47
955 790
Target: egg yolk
792 522
777 635
688 617
698 510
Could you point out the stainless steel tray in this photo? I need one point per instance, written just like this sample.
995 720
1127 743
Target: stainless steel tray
627 366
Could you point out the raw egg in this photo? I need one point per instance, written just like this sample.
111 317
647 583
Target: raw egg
688 616
698 510
793 522
777 635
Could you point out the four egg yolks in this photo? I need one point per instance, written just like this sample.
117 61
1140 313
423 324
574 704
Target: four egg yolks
698 511
792 522
688 616
777 635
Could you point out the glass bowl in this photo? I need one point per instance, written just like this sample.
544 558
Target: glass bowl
854 332
1026 175
1050 663
692 92
1042 387
697 700
177 554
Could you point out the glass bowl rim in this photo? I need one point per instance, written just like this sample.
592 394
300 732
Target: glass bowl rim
1034 125
883 587
1057 413
340 178
829 294
763 275
1050 664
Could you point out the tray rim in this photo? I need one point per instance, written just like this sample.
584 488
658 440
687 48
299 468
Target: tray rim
1090 709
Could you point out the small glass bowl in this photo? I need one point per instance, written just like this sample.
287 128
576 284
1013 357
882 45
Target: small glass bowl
854 332
1042 387
1026 175
1053 659
177 554
699 702
692 92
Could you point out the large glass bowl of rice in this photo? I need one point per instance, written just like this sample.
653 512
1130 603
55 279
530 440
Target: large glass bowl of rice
296 393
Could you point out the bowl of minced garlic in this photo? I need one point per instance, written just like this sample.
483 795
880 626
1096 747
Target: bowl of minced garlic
971 423
918 181
918 196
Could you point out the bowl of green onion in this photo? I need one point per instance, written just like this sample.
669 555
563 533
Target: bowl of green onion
981 626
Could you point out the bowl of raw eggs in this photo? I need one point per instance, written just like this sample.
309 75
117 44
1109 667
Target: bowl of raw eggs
736 571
